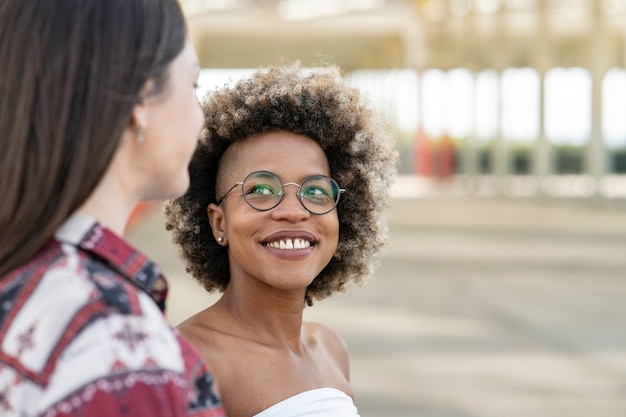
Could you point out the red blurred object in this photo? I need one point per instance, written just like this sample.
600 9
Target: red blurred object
445 158
423 154
140 211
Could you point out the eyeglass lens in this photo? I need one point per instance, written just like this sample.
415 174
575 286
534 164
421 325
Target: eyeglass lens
264 190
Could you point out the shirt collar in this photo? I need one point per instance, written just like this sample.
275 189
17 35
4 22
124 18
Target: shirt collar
85 232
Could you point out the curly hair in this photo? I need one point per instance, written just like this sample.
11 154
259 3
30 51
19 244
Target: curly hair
314 103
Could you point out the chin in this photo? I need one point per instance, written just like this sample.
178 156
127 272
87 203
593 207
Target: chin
171 189
180 192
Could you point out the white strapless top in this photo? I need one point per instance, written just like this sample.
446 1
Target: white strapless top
326 402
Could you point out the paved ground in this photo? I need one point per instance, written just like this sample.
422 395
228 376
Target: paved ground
482 307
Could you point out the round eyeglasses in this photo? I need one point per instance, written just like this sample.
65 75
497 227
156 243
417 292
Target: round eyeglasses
264 190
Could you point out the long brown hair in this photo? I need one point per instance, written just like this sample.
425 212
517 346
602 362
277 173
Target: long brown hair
71 72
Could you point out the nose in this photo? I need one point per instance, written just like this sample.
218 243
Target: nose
290 207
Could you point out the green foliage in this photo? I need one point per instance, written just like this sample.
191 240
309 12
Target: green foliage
568 159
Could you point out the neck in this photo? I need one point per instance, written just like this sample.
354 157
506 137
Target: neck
110 205
273 319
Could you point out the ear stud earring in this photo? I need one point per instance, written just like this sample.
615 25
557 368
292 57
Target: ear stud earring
140 129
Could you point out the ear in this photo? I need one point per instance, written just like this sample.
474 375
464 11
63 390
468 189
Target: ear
138 117
218 223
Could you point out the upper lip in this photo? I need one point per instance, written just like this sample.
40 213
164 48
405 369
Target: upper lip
290 234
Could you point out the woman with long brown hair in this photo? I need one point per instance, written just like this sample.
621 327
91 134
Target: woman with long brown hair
97 113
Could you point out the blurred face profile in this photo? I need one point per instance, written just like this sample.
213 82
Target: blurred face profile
174 122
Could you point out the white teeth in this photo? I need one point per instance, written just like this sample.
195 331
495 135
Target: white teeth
290 244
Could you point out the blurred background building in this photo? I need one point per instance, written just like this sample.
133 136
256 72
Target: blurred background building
488 97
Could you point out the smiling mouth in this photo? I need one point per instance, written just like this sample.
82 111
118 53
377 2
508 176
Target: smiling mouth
289 244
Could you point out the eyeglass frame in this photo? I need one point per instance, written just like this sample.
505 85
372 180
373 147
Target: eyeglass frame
282 193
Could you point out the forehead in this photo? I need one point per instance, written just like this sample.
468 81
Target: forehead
290 155
186 60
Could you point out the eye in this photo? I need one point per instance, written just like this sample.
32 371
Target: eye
262 189
197 93
314 191
318 195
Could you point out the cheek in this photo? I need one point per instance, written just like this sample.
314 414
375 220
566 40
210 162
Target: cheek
189 123
196 114
199 112
332 228
187 111
240 224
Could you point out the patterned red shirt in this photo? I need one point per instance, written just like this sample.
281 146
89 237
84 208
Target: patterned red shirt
81 334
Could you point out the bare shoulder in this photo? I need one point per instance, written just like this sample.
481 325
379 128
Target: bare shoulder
215 347
198 330
330 342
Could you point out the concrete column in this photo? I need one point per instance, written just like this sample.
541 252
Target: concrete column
415 57
596 155
542 158
500 150
469 152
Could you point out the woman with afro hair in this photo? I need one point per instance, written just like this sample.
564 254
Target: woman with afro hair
287 204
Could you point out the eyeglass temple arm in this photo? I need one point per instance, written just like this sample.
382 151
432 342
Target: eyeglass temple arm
229 190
